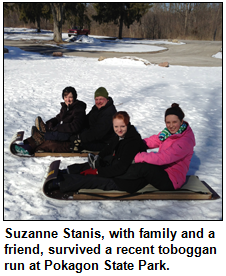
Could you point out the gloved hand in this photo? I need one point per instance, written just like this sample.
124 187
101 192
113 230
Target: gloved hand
89 171
54 128
75 142
49 126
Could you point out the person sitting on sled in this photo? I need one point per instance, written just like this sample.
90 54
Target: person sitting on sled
98 130
113 161
54 135
166 169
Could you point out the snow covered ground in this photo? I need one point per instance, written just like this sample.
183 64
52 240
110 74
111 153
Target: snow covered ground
88 43
218 55
33 84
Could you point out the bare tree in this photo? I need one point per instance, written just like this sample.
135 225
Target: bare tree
186 15
215 21
58 12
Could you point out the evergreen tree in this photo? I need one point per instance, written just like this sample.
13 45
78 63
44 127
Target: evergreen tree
33 12
75 15
120 13
8 7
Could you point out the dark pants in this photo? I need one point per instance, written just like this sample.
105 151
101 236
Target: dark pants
92 146
50 145
137 176
153 174
57 136
74 182
77 168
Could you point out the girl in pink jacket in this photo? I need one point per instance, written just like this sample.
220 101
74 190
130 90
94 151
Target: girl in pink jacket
167 168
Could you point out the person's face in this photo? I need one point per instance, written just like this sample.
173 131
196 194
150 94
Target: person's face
173 123
100 101
120 127
69 99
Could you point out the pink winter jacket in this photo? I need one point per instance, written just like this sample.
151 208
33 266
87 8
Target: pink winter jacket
174 155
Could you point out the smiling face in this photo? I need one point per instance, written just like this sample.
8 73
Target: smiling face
173 123
120 127
68 99
100 101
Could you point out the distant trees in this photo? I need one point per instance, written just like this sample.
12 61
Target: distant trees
33 12
120 13
184 21
75 14
142 20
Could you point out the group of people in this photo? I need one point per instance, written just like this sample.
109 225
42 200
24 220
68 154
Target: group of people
72 129
123 162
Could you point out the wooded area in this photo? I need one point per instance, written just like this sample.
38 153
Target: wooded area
198 21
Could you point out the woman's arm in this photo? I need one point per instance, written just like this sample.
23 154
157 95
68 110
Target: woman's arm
121 165
175 152
153 141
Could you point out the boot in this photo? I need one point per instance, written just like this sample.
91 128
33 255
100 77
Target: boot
37 136
40 124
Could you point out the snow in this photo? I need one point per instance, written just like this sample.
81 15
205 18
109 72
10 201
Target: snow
87 43
218 55
33 84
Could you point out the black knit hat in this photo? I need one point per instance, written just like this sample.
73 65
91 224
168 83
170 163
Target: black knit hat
175 110
68 90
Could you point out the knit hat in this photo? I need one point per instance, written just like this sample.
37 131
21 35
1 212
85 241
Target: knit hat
101 91
175 110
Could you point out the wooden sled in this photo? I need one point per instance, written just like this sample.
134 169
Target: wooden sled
62 154
193 189
18 137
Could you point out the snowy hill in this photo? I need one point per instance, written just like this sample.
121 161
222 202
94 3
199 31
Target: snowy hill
33 84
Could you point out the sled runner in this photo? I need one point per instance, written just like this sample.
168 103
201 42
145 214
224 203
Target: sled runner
191 190
18 137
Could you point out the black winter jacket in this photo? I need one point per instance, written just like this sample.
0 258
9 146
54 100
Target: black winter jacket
70 119
99 125
123 152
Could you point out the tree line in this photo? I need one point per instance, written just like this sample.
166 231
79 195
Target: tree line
200 21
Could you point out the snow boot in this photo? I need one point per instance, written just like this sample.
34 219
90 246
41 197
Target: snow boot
40 124
37 136
22 149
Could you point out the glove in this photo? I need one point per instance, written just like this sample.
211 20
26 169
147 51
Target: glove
49 126
89 171
75 142
54 128
75 137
